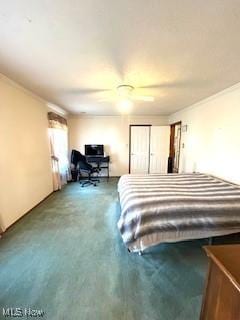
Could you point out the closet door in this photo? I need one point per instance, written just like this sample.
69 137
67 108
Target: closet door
159 149
139 149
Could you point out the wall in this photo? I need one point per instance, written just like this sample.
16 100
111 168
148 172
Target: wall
112 131
25 171
212 140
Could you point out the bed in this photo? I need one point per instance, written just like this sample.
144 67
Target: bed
175 207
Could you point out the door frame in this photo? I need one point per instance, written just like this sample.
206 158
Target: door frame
130 141
172 135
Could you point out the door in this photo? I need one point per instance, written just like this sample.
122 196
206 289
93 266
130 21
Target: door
139 149
177 137
159 149
175 146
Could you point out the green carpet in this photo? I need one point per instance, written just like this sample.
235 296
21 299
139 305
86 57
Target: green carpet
67 258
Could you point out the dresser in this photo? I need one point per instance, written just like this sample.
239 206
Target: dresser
221 299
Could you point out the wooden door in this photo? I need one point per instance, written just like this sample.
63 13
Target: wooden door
159 149
139 149
177 137
175 146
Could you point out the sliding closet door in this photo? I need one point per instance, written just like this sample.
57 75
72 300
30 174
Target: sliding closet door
139 149
159 149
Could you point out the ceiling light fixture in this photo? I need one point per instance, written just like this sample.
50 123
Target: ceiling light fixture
125 105
125 90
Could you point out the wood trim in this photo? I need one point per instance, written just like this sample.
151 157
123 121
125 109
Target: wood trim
175 123
171 146
180 140
172 135
130 141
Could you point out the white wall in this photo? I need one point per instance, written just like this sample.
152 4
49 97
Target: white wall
211 143
212 140
112 131
25 171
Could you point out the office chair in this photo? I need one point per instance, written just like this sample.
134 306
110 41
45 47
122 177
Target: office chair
75 157
86 167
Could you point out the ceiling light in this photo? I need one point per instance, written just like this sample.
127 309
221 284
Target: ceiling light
125 105
125 90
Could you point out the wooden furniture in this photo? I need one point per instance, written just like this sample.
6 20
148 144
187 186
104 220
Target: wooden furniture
222 292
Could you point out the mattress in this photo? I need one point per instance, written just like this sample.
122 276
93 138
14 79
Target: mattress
174 207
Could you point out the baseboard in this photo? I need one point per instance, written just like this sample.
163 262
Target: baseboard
1 234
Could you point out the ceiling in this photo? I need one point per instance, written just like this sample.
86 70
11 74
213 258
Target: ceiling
183 51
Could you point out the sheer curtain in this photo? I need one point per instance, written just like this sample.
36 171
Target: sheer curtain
1 228
58 133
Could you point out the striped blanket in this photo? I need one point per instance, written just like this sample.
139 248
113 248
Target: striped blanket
168 208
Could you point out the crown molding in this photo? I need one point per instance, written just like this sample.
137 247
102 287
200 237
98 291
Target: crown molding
208 99
117 116
28 92
57 109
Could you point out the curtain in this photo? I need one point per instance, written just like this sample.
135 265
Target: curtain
58 133
1 226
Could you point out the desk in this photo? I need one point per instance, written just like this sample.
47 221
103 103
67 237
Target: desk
100 162
222 294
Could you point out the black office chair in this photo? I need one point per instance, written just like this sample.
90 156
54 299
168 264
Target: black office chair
85 167
75 157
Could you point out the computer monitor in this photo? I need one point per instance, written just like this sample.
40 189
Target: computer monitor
94 150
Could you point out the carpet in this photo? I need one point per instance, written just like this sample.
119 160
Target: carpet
67 258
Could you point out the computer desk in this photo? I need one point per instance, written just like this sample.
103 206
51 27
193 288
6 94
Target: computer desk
101 162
